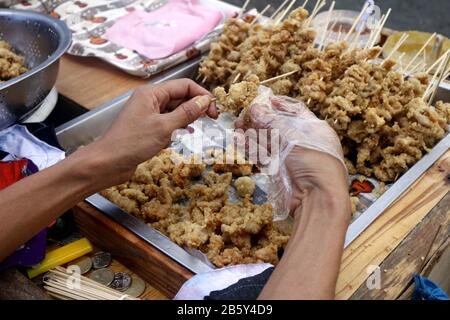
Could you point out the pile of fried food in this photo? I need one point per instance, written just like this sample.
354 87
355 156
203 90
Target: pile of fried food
11 64
380 115
191 206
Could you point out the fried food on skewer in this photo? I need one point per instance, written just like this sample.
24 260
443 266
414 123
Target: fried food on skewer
239 96
366 103
224 54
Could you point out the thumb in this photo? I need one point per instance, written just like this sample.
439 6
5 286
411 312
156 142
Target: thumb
188 112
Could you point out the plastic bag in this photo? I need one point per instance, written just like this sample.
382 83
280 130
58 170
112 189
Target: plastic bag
293 124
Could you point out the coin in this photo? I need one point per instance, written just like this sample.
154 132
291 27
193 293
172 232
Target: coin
137 287
121 282
101 260
103 276
85 264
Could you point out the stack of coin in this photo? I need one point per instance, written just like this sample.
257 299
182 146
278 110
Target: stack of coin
101 260
120 281
103 276
84 263
137 287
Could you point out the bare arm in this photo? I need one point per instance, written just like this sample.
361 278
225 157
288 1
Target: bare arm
311 261
141 130
318 199
29 205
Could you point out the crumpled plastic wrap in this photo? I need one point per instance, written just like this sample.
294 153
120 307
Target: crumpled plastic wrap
296 125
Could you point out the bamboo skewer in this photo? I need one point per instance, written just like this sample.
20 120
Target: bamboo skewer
358 18
269 80
432 81
373 31
425 57
400 62
285 12
339 34
236 78
316 9
279 77
420 66
61 272
57 285
447 61
314 13
244 7
437 62
440 70
259 15
380 28
355 40
279 9
304 4
400 42
420 52
330 11
330 31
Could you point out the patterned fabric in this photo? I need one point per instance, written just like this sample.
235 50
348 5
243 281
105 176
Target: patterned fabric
166 31
32 252
89 20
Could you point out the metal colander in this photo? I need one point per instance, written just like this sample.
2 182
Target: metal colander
42 40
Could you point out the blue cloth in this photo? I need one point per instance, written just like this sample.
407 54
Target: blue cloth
427 290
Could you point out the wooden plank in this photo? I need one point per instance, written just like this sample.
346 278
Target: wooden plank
386 233
153 266
91 82
438 256
408 258
440 272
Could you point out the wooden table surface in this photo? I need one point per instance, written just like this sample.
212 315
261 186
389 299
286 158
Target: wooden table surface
91 82
402 241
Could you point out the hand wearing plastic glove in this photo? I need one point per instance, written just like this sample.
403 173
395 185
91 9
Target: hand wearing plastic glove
312 182
309 150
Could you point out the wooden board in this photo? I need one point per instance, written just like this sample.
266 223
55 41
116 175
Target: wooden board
411 255
386 233
156 268
91 82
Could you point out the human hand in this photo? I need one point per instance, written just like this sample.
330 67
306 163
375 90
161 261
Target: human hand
145 125
310 152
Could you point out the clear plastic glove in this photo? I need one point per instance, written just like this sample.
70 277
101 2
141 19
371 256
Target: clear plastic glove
310 153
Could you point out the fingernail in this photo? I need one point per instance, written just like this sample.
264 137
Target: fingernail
203 102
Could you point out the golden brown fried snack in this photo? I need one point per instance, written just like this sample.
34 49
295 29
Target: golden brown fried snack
196 214
11 64
239 96
245 186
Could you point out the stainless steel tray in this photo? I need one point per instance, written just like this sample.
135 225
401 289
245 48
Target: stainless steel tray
86 128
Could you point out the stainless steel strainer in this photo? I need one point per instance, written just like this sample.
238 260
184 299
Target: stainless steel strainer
42 40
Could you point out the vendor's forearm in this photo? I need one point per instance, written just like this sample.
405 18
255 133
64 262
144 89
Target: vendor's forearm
32 203
310 265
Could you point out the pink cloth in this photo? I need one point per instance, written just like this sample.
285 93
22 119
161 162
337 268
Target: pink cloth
163 32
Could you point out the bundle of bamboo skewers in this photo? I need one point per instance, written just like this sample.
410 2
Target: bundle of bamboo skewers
67 286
